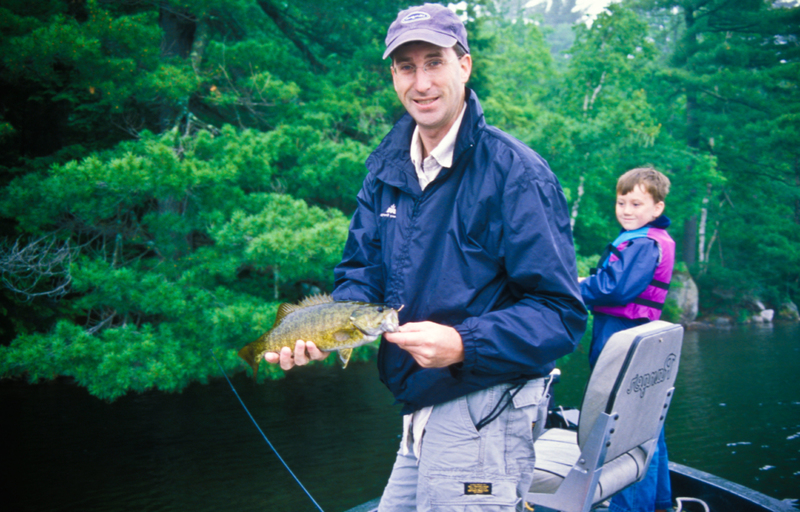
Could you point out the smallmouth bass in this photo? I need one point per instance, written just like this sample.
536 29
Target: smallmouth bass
330 324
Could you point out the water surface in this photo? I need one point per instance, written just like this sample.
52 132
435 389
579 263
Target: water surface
736 414
736 411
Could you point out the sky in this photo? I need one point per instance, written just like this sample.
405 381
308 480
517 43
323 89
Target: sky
596 6
592 7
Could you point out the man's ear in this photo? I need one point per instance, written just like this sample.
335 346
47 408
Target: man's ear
466 67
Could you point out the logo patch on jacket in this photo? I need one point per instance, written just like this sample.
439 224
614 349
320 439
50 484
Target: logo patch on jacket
476 489
390 212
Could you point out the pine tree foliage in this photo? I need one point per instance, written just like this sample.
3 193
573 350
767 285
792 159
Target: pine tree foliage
731 81
171 171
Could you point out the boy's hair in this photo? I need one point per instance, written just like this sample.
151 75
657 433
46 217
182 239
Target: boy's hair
653 182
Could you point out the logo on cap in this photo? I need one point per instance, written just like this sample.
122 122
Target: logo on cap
416 16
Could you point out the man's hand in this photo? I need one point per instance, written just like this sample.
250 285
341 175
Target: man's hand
304 352
431 345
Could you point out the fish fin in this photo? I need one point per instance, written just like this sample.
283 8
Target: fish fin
344 355
341 336
250 355
283 310
320 298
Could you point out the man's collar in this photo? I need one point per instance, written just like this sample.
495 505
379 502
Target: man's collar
443 152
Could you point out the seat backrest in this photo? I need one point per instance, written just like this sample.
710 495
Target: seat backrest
632 376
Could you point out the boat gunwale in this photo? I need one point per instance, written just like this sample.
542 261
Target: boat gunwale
708 487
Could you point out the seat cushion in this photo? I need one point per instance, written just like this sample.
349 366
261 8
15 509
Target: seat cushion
557 451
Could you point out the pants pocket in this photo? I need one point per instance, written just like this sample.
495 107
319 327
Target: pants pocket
525 423
468 493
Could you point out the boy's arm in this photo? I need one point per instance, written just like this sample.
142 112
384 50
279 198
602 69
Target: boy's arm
624 279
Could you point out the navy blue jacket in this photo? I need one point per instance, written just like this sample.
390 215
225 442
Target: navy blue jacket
486 248
619 283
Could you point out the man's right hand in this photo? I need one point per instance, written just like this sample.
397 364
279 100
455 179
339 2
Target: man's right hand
304 352
431 345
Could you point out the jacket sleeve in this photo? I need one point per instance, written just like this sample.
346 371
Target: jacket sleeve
623 280
546 318
359 276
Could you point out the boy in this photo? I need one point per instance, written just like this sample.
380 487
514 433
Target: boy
628 288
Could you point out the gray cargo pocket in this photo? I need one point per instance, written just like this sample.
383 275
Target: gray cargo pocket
534 394
467 494
530 394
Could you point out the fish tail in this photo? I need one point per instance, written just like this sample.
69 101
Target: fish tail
251 356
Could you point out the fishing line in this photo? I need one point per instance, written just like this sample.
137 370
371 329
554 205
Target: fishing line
263 435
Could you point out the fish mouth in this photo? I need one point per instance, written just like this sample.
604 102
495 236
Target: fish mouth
390 323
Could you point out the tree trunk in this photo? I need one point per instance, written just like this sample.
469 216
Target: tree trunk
179 28
711 244
690 48
201 37
797 183
692 131
284 25
574 215
689 240
701 246
178 40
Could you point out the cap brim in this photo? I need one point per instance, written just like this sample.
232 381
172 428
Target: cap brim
425 35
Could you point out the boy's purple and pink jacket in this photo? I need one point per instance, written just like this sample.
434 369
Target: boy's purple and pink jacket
649 303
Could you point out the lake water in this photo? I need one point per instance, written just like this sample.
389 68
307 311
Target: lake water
736 414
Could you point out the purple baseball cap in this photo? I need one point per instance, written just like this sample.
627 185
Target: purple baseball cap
432 23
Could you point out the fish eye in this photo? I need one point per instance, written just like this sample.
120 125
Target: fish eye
380 309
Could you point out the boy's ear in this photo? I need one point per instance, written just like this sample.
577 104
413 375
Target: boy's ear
659 208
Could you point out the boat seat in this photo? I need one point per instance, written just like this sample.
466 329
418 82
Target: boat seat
624 406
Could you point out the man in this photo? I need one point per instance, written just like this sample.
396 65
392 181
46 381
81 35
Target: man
468 229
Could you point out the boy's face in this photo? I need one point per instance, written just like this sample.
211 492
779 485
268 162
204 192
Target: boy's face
637 208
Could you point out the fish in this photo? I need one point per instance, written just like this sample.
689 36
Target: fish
330 324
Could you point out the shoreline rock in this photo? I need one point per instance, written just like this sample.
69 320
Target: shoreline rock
684 293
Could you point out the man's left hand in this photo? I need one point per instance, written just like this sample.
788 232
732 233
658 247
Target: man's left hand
431 345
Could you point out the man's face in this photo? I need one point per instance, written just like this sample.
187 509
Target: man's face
433 99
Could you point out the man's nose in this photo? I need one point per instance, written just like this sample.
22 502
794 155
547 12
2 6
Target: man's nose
422 82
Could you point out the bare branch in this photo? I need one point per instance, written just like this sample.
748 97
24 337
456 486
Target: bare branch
102 323
283 22
40 268
588 104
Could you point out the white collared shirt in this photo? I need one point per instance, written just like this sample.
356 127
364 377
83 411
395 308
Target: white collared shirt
439 158
427 170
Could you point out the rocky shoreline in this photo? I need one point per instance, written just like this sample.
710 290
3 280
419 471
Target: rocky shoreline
724 322
684 301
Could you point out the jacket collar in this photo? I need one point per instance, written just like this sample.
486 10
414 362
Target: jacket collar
391 160
662 222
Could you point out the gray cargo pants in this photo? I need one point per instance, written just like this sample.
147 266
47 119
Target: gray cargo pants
463 469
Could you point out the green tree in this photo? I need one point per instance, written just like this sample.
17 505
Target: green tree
170 171
608 124
201 159
732 93
144 312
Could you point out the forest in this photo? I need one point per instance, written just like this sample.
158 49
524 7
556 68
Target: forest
172 170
